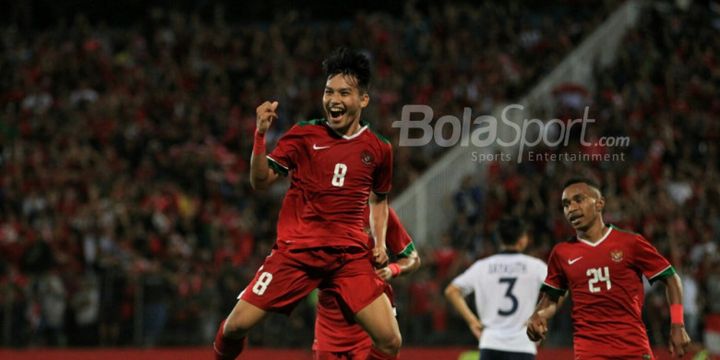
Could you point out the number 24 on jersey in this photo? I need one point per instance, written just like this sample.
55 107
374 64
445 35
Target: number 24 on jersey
598 275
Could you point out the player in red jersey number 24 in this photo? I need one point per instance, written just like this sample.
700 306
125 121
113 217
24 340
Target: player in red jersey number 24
602 267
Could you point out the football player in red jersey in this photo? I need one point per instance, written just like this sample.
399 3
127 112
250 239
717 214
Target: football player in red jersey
337 336
602 268
337 167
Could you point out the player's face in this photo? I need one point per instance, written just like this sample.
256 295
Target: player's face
343 102
582 206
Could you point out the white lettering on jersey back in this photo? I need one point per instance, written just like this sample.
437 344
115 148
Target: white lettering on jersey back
506 288
509 268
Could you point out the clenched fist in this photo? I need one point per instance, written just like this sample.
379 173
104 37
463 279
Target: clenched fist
380 257
265 115
679 340
537 328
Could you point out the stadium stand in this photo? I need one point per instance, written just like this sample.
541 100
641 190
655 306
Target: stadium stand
662 94
125 213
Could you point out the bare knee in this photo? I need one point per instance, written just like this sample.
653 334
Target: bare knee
395 342
234 327
379 321
389 343
242 318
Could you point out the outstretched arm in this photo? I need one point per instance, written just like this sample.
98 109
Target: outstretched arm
456 298
679 339
261 176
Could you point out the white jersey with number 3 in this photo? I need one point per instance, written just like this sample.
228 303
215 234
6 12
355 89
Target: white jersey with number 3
506 288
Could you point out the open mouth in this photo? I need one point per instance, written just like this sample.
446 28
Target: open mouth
336 113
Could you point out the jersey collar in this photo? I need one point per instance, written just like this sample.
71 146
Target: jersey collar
363 127
507 252
607 233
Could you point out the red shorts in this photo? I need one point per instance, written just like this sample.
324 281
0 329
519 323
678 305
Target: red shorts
338 333
287 277
356 354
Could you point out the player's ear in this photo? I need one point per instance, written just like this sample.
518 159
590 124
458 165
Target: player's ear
364 99
524 241
600 204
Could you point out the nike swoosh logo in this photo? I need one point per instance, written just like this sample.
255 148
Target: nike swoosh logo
315 147
570 262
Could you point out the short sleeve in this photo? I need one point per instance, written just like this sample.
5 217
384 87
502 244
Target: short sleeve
649 261
555 282
465 281
541 271
382 178
398 240
285 155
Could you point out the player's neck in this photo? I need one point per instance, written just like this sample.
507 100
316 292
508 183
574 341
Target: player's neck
353 128
511 249
593 234
350 130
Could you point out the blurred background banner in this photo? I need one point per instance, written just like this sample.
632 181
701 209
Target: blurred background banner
126 215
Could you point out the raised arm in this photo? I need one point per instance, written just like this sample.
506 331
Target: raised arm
261 176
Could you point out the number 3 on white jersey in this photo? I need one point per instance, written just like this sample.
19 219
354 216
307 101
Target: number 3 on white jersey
339 174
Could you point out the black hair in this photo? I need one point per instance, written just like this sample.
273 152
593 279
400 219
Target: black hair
581 180
348 62
511 229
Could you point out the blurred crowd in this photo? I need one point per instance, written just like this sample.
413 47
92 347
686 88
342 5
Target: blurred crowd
662 94
126 217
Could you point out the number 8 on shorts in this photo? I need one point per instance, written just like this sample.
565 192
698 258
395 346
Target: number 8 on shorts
262 283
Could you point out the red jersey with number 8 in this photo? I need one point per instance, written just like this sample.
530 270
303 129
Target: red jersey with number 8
605 282
331 177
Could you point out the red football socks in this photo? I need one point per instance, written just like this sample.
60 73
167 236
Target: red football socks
376 354
226 348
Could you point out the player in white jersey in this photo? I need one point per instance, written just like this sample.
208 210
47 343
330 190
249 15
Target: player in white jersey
506 287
